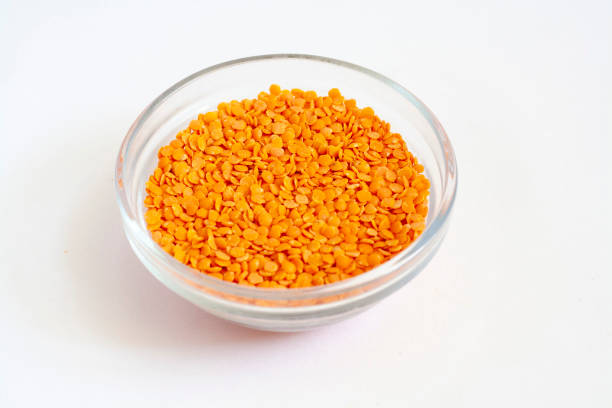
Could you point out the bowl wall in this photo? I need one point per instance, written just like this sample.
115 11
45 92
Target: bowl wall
292 309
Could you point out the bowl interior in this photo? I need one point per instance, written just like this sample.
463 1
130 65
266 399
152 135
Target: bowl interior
241 79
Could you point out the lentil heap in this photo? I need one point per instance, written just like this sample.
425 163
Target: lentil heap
287 190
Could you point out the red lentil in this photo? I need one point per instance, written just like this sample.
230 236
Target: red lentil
287 190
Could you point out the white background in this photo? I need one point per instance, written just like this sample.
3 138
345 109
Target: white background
515 310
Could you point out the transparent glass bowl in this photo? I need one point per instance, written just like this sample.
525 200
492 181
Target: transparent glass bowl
287 309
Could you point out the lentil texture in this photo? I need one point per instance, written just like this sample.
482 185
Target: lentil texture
287 190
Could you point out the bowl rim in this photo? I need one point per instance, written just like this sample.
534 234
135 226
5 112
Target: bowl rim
196 279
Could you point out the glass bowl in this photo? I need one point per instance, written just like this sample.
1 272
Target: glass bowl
284 309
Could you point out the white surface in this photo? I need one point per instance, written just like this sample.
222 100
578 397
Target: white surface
515 310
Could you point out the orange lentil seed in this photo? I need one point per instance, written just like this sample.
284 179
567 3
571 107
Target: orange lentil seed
287 190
